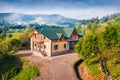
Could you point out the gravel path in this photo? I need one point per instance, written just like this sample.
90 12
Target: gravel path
58 68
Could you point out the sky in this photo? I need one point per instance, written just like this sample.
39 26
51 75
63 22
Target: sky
78 9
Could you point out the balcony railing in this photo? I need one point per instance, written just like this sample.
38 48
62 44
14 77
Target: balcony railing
38 40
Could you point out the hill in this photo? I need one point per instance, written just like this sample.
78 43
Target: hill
52 19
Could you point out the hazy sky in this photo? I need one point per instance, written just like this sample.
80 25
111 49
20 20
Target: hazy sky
79 9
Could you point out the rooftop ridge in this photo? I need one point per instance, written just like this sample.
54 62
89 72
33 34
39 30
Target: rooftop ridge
56 33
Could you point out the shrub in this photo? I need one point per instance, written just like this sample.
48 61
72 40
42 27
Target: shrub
15 44
10 65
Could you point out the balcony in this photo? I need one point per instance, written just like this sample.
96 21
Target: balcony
38 40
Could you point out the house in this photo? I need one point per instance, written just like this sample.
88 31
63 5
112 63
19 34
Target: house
53 41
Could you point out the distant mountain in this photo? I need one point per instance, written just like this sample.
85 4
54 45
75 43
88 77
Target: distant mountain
53 19
110 17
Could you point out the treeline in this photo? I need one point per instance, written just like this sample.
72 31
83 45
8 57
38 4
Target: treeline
4 25
96 22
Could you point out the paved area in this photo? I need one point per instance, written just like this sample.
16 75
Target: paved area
56 68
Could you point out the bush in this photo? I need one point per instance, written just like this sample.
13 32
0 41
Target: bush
9 44
15 44
10 65
10 35
27 73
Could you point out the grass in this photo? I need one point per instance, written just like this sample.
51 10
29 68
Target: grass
115 71
25 62
114 68
27 73
93 69
13 34
92 66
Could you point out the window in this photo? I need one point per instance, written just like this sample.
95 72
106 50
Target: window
44 37
55 47
44 46
35 44
76 37
41 37
65 46
35 35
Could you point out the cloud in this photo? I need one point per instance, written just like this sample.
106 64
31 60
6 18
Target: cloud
14 18
38 20
91 12
81 13
79 9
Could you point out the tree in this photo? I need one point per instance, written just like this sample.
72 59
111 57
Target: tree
4 47
89 25
93 27
2 36
104 45
78 46
86 46
0 30
90 46
10 35
14 44
78 26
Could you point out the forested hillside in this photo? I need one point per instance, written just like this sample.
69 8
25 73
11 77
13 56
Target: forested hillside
41 19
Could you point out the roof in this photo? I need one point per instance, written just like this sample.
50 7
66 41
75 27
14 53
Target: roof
59 35
80 32
56 33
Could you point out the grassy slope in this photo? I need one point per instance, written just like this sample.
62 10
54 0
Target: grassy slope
27 73
11 66
92 65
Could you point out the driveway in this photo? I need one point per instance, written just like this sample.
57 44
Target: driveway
57 68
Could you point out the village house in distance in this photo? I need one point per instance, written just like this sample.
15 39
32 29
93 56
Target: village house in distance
53 41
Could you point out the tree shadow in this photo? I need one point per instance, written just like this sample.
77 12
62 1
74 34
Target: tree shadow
76 65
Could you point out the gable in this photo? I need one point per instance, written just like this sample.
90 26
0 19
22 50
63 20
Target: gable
31 34
62 38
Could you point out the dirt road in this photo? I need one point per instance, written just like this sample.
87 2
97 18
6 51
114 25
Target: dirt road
56 68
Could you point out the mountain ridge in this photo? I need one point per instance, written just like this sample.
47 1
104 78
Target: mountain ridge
49 19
